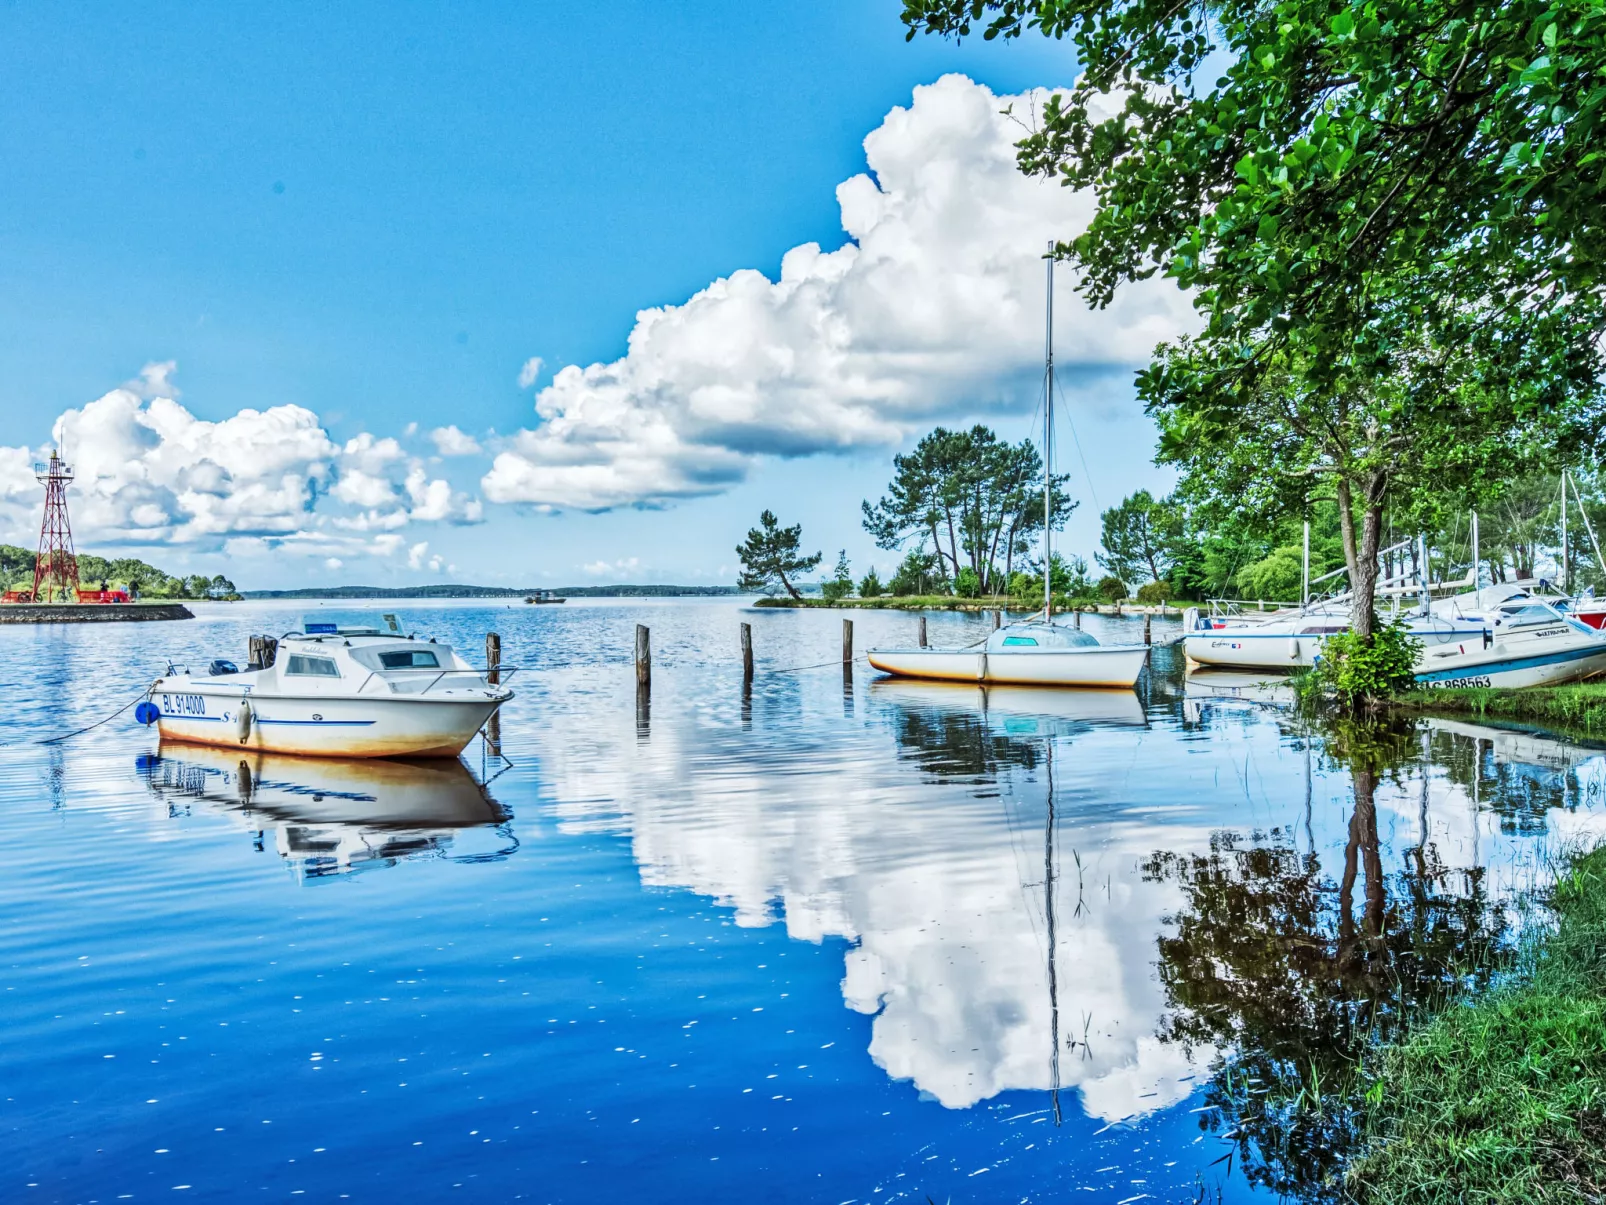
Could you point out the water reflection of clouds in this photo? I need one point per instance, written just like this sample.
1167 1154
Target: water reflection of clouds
935 877
916 833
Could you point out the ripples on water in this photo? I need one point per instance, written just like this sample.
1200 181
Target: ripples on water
790 945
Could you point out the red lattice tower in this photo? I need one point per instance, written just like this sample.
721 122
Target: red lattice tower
57 565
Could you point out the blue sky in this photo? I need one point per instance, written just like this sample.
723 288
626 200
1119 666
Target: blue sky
379 214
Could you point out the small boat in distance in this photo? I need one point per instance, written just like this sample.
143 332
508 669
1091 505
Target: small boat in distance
1037 651
331 691
544 596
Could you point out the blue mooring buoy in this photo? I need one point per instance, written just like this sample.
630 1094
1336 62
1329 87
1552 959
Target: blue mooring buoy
147 712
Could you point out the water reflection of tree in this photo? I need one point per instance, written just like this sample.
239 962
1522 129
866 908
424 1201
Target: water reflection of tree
1290 973
959 744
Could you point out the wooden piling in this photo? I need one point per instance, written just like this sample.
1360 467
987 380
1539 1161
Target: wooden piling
922 631
493 675
747 652
643 656
1078 614
998 620
847 642
1147 618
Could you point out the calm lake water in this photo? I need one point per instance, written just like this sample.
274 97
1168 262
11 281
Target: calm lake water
826 942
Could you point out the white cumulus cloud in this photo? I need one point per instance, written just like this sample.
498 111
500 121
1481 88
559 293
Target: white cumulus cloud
150 473
932 310
449 441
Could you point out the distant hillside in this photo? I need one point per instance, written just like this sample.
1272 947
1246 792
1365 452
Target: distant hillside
462 591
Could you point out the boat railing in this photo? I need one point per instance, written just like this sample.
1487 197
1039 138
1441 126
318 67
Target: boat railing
504 675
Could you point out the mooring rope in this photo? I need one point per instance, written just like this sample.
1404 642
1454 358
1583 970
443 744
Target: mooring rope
56 740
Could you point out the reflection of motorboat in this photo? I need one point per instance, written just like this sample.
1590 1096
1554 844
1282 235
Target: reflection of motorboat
329 815
1519 746
332 691
1011 704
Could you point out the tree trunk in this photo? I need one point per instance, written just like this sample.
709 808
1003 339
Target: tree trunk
789 588
1360 549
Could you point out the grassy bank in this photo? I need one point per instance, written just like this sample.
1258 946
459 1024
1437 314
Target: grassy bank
1581 706
1504 1100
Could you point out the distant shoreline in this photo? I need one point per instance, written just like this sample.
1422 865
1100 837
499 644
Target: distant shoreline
463 591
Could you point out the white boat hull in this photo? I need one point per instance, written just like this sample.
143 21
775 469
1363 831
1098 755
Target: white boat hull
1511 669
1112 666
372 725
1235 649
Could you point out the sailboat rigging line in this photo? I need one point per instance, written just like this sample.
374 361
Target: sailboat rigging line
1076 440
1048 908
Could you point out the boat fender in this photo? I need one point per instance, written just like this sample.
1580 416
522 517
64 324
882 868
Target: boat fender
1293 649
1488 637
981 668
244 720
147 713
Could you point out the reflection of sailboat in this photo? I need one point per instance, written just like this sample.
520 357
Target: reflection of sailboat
1250 685
330 816
1019 710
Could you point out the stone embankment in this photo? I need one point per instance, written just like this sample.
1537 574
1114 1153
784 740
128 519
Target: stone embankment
92 612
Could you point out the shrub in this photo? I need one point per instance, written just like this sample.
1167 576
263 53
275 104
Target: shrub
871 586
1359 672
968 583
1154 593
836 590
1111 589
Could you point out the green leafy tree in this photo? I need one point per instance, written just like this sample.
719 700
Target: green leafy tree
841 583
970 498
870 585
1112 589
1140 537
771 558
1391 218
918 573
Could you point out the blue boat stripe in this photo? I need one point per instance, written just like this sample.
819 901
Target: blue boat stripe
1500 667
323 723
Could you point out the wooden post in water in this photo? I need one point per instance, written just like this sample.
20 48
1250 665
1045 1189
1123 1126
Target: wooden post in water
493 675
998 620
1078 614
747 652
922 631
1147 618
643 656
847 642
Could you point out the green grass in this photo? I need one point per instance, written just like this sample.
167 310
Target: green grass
1503 1100
949 602
1581 706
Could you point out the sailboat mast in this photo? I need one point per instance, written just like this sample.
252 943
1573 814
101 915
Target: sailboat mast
1048 447
1564 574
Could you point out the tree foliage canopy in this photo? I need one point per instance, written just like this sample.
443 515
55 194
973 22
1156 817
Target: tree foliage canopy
970 497
770 557
1389 213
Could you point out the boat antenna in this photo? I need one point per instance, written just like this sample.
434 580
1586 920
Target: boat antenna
1048 448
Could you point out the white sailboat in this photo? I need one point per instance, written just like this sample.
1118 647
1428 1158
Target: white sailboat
1036 651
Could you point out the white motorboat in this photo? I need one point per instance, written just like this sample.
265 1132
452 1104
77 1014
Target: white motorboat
1523 642
1037 651
331 691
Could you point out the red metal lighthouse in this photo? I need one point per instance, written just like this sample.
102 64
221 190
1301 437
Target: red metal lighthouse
55 572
